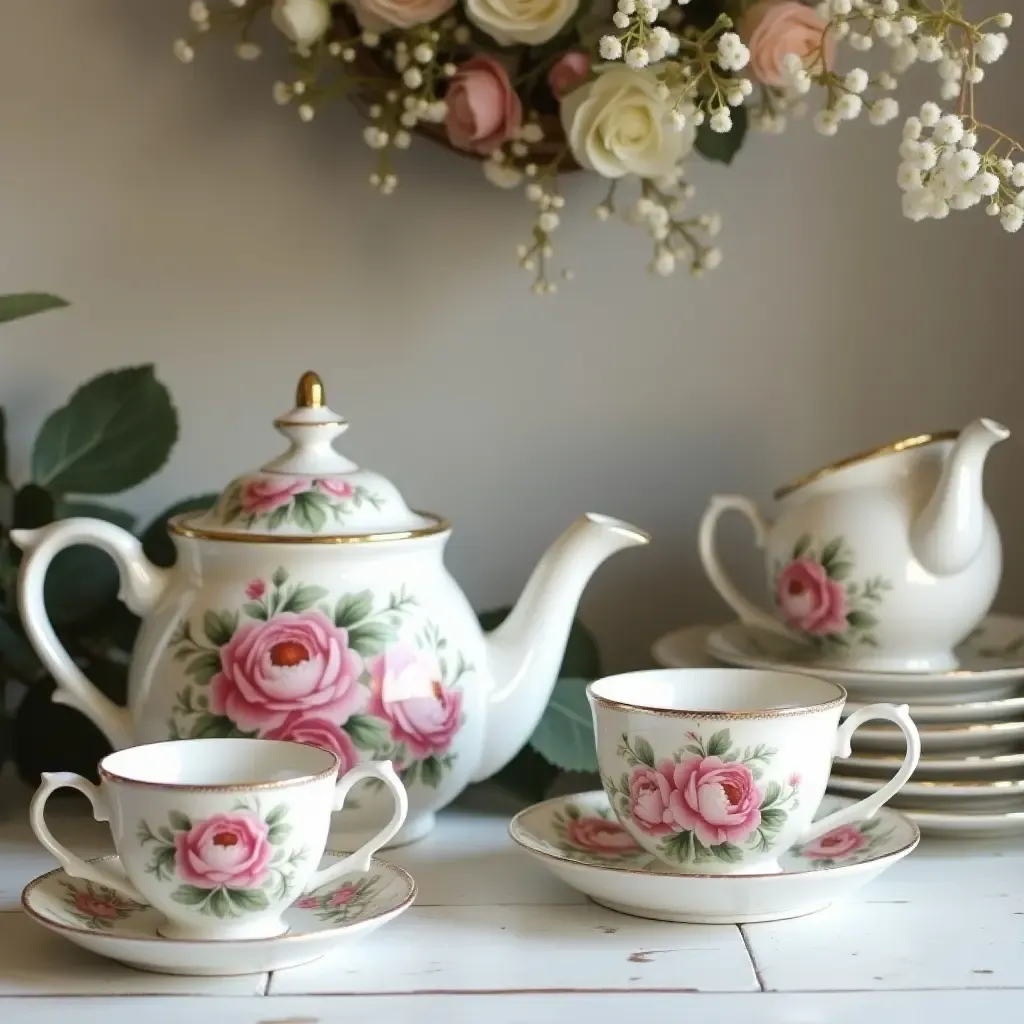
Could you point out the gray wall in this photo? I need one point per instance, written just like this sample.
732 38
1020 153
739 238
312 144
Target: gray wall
193 223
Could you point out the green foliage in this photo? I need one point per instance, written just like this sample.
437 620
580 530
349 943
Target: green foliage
115 431
16 307
722 146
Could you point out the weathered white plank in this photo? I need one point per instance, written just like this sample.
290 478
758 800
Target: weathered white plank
944 942
545 1008
465 949
35 962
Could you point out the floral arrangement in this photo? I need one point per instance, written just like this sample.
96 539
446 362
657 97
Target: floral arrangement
630 90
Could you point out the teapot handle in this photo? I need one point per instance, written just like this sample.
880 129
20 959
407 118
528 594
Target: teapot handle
142 583
748 612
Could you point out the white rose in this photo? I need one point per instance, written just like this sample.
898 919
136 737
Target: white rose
521 21
302 21
617 125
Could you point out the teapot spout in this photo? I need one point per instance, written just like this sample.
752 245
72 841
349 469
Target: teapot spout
525 652
947 534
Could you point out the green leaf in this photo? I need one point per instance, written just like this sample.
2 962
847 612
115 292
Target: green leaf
96 510
831 551
23 304
248 899
410 773
728 852
219 905
527 775
431 772
278 834
219 627
156 542
190 895
179 822
565 733
309 511
371 638
860 619
353 608
644 751
34 506
722 146
304 596
772 818
255 610
719 743
209 726
771 794
277 815
366 732
203 667
803 542
280 576
116 431
839 570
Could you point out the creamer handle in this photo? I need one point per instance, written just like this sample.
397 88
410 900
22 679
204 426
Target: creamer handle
748 612
142 583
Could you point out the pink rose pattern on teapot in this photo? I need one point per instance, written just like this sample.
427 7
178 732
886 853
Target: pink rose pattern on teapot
707 800
817 597
287 664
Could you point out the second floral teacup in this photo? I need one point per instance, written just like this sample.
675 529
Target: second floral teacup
720 771
220 835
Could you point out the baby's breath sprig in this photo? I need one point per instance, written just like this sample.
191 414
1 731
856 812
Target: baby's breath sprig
239 14
639 42
676 239
535 257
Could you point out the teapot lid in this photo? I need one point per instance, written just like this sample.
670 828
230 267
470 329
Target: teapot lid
312 491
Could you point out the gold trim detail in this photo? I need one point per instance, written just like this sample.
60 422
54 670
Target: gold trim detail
233 787
309 393
283 421
516 830
48 922
177 526
893 448
721 716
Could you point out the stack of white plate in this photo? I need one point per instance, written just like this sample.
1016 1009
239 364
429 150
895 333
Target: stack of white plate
970 781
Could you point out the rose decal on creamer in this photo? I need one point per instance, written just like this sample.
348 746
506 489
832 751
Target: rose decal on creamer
348 675
707 800
818 596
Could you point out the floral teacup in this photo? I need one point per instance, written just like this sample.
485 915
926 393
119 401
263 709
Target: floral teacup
720 771
219 835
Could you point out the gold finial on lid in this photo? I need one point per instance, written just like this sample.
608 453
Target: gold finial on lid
310 392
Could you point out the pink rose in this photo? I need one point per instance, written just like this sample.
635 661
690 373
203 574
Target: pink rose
308 903
265 493
483 108
718 801
336 488
317 732
255 590
810 601
377 15
569 71
650 791
599 835
840 842
342 895
406 691
775 28
294 662
224 850
92 906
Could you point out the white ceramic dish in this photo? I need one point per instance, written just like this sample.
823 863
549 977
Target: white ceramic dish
952 795
978 738
964 825
108 924
1006 766
968 713
991 664
578 839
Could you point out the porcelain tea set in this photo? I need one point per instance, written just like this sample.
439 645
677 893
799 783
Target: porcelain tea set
310 640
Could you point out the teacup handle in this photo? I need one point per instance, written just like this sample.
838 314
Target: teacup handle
748 612
360 860
865 809
71 862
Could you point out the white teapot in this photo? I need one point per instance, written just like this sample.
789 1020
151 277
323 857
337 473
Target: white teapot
310 603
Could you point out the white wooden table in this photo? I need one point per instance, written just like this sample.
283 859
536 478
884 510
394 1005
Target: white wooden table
493 939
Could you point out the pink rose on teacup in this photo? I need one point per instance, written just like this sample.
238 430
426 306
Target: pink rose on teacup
483 108
308 903
94 906
266 493
840 842
809 600
341 896
650 793
336 487
718 801
255 589
569 71
229 850
407 692
295 662
773 29
378 15
317 732
599 835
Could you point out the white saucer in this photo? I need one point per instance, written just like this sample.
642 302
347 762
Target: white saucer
578 839
970 826
977 738
110 925
962 714
965 795
991 664
935 768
